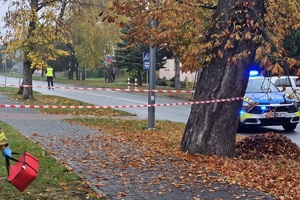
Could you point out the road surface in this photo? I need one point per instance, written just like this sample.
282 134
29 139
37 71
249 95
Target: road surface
115 98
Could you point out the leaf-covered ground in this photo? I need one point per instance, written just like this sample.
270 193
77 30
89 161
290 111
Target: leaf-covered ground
265 162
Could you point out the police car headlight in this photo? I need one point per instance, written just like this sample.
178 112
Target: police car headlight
263 108
242 111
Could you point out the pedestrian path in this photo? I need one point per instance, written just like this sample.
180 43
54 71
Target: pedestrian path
108 169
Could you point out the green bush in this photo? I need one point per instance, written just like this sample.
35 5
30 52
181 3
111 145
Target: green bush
182 84
161 81
172 79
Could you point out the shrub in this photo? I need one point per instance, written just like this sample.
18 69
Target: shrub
161 81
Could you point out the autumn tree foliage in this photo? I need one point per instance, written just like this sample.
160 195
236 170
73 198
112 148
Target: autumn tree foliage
92 39
35 26
220 39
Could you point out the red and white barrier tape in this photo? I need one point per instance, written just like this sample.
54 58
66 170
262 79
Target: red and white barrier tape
128 106
106 89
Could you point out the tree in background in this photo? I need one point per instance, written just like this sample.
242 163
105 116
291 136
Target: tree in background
36 26
33 28
292 46
92 40
220 39
63 63
130 58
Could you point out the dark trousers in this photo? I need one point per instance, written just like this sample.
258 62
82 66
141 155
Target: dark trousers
50 81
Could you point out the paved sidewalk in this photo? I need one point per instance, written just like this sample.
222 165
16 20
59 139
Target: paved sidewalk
105 174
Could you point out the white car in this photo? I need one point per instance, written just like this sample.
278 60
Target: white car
290 83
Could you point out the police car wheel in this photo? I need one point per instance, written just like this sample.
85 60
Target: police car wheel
289 127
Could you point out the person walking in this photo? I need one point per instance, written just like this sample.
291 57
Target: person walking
4 144
49 75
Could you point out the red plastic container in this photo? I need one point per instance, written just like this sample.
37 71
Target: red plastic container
24 171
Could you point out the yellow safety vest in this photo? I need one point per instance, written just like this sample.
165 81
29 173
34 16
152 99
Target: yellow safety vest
2 136
49 71
3 139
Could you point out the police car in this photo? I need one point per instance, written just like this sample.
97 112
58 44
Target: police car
290 85
265 105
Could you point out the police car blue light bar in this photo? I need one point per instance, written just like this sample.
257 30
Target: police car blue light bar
253 73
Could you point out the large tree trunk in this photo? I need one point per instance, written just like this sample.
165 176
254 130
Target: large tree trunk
27 71
27 92
211 128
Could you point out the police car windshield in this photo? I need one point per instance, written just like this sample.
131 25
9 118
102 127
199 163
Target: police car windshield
260 86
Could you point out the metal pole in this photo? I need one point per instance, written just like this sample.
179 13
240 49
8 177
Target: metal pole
5 70
151 95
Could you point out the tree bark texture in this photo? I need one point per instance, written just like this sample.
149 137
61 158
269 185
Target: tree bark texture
211 128
83 73
77 73
177 74
139 78
27 80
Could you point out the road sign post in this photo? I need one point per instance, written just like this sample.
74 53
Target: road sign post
146 64
146 60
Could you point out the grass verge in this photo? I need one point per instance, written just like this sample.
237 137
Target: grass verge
54 182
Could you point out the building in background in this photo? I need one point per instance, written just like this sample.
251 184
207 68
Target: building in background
169 72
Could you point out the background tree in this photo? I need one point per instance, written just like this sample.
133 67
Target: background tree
63 63
34 26
92 40
292 46
221 39
130 58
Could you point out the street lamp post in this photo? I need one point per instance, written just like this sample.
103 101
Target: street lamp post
151 94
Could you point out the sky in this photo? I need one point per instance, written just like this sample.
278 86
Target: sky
3 9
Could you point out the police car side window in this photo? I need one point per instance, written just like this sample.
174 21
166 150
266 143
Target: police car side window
297 82
281 82
277 83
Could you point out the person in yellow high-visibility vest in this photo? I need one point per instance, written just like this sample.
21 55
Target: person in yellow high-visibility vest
49 75
4 144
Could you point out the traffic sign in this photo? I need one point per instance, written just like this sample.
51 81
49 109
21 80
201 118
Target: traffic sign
146 60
